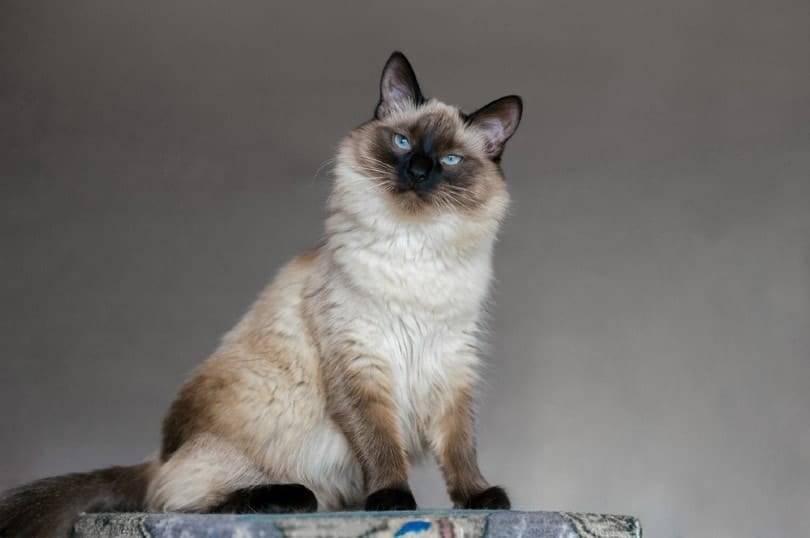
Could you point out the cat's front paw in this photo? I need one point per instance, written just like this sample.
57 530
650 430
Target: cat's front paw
493 498
390 499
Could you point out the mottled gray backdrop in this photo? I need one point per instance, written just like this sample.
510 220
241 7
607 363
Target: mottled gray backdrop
650 348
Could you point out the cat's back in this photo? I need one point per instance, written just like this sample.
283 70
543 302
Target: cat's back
268 354
276 313
272 341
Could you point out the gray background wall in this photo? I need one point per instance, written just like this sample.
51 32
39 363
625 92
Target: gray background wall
651 340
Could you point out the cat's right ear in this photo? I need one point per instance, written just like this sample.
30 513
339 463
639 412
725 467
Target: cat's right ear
398 86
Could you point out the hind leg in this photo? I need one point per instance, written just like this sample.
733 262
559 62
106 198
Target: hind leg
201 475
269 499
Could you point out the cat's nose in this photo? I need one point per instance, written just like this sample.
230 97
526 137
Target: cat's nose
419 167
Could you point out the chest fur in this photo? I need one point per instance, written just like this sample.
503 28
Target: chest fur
420 317
427 364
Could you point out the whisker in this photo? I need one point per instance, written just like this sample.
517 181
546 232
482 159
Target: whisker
323 165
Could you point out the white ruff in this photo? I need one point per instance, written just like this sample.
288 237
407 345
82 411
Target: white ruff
412 290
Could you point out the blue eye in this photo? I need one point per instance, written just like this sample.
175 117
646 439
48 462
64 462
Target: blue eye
450 160
401 142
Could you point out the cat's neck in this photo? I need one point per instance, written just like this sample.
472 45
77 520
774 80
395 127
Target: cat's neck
440 262
359 212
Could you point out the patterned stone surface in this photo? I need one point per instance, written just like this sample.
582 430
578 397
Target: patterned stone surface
419 524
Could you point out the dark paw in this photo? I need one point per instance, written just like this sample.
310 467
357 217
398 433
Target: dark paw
270 499
390 499
493 498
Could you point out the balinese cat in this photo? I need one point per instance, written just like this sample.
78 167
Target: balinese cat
359 358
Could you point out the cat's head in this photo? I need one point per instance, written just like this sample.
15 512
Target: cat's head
425 158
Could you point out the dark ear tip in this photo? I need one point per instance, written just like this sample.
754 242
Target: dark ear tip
502 103
518 100
398 62
397 56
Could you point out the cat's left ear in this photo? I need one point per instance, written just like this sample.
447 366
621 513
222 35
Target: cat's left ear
398 86
498 121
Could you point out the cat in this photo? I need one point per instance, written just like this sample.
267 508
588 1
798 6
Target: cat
358 359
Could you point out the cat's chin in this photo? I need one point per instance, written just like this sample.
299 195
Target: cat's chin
413 203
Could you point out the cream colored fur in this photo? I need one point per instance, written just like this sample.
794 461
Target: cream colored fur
405 298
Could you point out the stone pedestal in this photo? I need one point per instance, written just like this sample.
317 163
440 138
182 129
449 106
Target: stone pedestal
419 524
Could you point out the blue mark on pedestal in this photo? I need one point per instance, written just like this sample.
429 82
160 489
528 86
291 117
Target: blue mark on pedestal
415 527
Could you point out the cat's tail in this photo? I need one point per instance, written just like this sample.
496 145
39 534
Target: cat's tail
49 507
